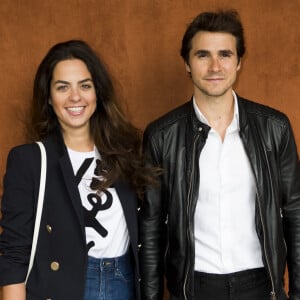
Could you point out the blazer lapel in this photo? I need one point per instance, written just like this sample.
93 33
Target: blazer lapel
72 188
56 148
128 201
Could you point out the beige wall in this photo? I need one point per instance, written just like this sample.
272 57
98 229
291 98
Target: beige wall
140 42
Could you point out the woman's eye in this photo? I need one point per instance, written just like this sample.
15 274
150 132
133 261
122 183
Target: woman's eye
62 88
86 86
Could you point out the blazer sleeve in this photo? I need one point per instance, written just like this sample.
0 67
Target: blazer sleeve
18 206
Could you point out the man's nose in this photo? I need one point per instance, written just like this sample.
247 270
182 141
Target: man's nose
215 64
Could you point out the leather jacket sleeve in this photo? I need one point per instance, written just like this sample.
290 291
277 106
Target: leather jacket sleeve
151 233
290 180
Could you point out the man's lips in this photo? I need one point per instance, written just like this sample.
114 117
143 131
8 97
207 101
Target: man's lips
214 78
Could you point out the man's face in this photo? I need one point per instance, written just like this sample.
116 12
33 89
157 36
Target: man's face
213 63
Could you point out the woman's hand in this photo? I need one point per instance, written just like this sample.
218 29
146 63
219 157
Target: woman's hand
14 292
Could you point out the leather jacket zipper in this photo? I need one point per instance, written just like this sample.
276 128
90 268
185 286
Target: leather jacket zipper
189 205
167 247
273 294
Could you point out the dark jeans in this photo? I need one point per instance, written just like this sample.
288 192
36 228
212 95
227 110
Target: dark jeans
110 279
245 285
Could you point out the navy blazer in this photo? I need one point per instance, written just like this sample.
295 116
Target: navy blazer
59 268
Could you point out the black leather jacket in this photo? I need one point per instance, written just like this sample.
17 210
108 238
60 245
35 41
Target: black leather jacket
174 142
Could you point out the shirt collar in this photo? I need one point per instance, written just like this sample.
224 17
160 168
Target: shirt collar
235 121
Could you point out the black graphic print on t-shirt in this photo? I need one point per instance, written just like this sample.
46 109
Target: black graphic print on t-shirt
98 203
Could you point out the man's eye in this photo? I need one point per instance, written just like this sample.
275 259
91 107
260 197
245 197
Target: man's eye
225 54
202 55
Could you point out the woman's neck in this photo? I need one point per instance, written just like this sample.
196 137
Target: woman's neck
78 142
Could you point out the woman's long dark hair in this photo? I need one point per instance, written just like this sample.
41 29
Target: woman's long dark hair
117 140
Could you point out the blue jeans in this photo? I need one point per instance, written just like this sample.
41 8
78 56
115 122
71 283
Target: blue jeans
110 279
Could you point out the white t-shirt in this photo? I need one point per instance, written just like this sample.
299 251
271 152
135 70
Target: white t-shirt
106 228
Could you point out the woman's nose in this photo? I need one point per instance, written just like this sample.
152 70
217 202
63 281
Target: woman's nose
75 94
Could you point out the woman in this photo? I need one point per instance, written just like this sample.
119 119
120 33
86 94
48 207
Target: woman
87 242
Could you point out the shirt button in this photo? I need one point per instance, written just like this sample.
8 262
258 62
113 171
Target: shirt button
54 266
49 228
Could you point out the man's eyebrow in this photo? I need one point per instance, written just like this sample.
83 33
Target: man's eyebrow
201 51
227 51
223 51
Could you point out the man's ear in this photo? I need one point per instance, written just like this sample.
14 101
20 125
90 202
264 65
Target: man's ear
239 65
187 67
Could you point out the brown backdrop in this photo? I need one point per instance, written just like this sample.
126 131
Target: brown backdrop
140 42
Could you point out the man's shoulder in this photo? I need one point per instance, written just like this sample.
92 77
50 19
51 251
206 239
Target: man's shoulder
176 116
257 110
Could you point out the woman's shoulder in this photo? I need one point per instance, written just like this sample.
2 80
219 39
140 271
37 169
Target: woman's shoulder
27 153
22 165
24 148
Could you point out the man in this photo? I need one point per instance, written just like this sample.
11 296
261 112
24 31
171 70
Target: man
225 218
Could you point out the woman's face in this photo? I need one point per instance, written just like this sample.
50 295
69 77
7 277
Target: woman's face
73 96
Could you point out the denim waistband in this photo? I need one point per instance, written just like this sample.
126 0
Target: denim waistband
110 262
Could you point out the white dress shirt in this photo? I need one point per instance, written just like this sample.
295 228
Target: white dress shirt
225 236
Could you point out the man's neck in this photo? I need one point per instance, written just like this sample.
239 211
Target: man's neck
217 110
